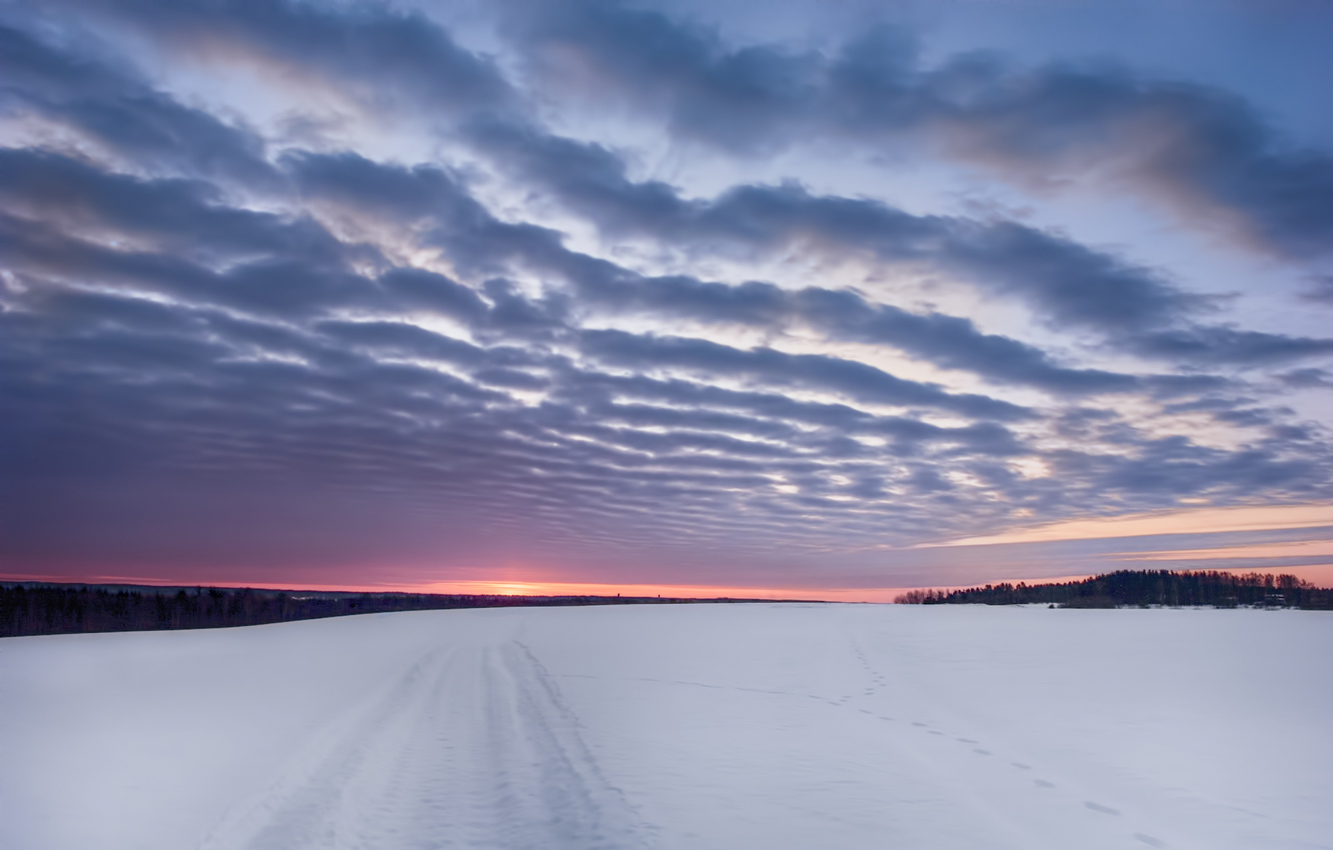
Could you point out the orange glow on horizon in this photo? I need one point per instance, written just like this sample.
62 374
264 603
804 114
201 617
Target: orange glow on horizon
675 591
1320 575
505 588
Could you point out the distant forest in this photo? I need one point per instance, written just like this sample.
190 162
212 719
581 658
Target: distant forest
1142 588
45 609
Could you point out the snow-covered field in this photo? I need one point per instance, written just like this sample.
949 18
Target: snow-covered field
692 726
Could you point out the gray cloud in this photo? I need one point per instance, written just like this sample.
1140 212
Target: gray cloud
1218 344
184 216
1308 377
1066 281
109 104
1069 284
375 52
808 371
361 389
1201 149
199 365
1072 282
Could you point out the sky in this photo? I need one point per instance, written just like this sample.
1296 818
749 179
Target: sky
786 299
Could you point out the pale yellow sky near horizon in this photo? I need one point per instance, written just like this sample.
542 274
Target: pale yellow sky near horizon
1186 521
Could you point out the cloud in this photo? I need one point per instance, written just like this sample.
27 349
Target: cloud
222 348
185 216
422 289
746 98
431 199
808 371
1217 344
384 57
259 368
1138 309
1066 281
108 103
1308 377
952 342
466 229
1202 150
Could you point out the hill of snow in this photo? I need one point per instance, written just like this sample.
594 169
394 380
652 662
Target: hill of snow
684 726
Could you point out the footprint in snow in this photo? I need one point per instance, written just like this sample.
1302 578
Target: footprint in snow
1149 840
1098 807
982 752
1043 783
1021 766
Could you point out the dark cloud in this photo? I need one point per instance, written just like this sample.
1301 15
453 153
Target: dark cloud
1067 281
1137 308
1176 466
421 289
1201 149
433 200
807 371
399 193
1218 344
1204 150
185 216
334 396
385 57
1302 378
108 103
908 434
952 342
216 353
280 285
1071 283
746 98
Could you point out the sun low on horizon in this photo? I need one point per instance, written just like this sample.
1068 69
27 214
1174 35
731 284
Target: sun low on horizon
711 300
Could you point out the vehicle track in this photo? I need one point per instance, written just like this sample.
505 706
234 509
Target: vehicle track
473 747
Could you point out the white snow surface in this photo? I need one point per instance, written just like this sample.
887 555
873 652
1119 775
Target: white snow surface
678 726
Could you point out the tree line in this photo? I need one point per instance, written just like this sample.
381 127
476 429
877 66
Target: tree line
49 609
1142 588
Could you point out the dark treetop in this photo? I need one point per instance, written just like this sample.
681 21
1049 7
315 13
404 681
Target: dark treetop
1143 588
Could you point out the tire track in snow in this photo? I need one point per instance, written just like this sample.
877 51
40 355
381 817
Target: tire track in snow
470 748
319 796
563 800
